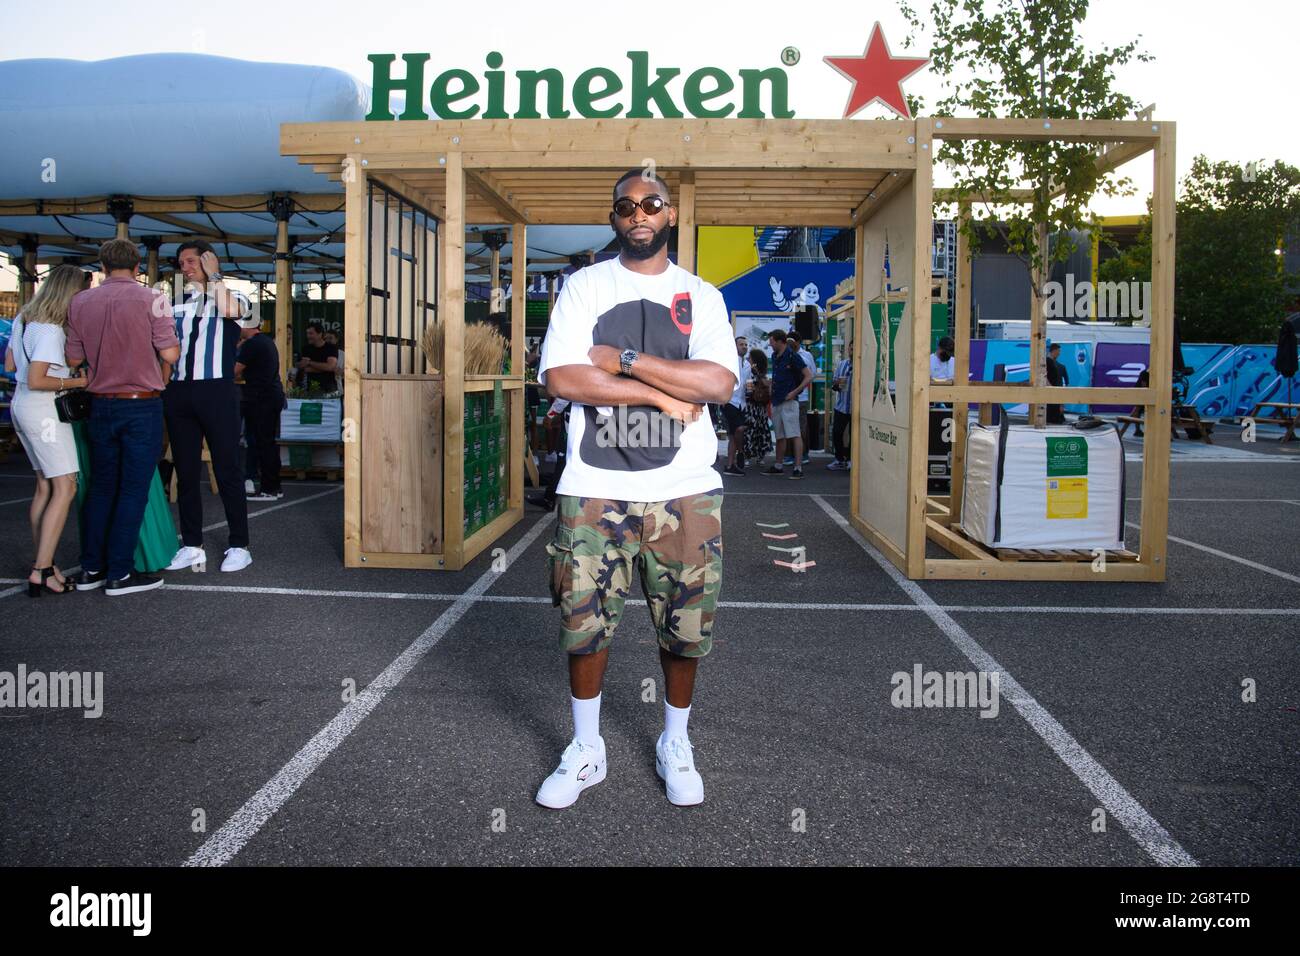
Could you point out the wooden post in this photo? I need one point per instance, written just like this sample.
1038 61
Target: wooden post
284 300
451 312
27 284
151 244
496 275
961 367
1155 447
919 419
121 230
518 316
356 281
686 221
862 385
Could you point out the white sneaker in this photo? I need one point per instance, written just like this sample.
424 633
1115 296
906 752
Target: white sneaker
188 557
581 766
236 559
676 768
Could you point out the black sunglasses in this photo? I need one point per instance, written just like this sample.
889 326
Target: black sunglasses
651 206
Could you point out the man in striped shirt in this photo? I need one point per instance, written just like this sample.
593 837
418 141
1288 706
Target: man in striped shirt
201 403
843 386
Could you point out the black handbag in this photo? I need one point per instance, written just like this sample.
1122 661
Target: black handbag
72 405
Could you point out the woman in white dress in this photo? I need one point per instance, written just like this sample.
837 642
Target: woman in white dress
37 358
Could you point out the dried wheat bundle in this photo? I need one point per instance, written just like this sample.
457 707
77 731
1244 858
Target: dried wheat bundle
484 348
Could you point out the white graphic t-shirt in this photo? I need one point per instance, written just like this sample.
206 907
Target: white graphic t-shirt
635 453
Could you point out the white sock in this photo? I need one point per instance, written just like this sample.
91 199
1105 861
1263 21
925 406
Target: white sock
586 720
675 721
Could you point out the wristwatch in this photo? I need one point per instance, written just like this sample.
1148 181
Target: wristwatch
625 360
215 277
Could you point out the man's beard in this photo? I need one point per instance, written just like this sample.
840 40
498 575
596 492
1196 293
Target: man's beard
646 249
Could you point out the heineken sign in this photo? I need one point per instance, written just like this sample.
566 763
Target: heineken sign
875 76
598 93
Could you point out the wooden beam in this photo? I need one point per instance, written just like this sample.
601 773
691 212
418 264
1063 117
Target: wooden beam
451 313
356 280
919 419
954 543
686 221
490 192
518 316
1155 448
860 320
961 368
1063 130
284 298
876 198
955 569
1015 393
667 140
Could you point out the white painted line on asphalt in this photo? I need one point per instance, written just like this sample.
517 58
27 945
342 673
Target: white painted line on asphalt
212 527
283 504
1144 828
740 605
727 492
1229 557
14 501
1235 500
220 848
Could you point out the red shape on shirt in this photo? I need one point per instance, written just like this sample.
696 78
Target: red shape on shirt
681 312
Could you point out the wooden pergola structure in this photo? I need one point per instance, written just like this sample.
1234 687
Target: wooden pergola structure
404 467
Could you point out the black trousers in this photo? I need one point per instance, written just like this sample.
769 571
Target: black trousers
839 424
198 410
261 419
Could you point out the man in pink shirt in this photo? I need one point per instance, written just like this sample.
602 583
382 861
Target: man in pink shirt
120 330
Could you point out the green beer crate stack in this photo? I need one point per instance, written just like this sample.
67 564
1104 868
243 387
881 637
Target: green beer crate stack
486 447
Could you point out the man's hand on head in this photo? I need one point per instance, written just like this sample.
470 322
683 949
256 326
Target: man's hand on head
606 357
210 263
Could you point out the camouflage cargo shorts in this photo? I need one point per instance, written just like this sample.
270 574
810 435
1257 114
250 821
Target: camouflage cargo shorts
677 546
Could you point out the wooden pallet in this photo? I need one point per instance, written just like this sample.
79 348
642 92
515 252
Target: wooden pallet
1065 554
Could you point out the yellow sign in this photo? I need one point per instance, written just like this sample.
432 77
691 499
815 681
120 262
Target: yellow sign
1067 498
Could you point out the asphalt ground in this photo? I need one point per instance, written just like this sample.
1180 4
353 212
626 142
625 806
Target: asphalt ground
224 702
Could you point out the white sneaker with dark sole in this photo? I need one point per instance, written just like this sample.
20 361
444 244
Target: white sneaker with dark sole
675 764
581 766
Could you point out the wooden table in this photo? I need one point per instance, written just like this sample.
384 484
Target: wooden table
1284 413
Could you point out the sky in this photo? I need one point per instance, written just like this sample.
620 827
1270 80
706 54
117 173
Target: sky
1221 71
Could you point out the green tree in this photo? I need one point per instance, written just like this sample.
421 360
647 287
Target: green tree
1229 284
1025 59
1232 225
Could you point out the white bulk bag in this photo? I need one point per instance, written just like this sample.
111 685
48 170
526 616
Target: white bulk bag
1059 487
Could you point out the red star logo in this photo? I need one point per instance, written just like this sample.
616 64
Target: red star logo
877 75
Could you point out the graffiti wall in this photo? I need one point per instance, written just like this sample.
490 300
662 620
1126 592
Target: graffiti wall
1226 381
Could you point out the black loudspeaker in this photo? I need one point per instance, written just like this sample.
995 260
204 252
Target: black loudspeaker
805 324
